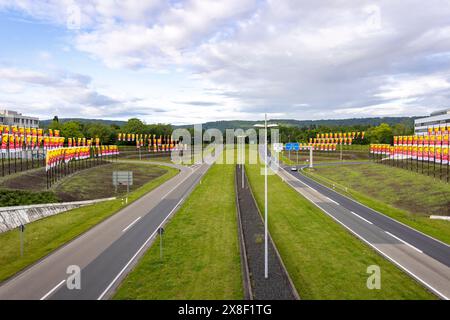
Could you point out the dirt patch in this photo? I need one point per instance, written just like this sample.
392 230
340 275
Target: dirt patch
97 182
86 184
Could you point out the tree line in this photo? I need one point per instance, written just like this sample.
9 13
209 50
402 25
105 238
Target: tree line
382 133
108 133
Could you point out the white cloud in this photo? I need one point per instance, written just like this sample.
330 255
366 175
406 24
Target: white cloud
63 92
301 59
400 88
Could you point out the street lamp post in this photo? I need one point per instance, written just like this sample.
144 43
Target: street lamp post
266 243
241 156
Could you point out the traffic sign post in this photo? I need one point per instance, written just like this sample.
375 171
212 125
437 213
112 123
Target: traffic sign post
21 230
122 178
296 147
161 232
288 147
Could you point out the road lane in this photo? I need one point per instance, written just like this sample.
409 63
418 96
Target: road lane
422 257
43 280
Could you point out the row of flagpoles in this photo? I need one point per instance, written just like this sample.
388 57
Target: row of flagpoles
152 141
432 147
59 156
341 135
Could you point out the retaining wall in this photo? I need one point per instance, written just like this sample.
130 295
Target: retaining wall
12 217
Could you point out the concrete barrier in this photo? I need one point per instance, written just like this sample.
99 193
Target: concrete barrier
440 217
12 217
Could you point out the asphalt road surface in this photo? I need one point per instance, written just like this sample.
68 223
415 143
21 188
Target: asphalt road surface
424 258
108 251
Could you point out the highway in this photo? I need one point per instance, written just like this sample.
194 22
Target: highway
424 258
108 251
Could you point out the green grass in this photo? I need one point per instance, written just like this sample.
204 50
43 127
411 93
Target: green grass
201 249
44 236
323 259
403 195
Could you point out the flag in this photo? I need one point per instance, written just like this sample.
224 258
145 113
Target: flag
4 142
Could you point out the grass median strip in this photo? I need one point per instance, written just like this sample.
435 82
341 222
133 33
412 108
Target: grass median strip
200 248
323 259
406 196
46 235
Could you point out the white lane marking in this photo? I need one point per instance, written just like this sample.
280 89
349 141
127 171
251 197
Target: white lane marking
403 241
426 284
333 201
380 213
361 217
137 253
170 191
59 284
131 224
53 290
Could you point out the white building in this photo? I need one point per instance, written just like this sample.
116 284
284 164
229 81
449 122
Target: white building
437 119
13 118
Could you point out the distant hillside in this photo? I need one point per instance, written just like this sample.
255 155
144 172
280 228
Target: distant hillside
45 123
233 124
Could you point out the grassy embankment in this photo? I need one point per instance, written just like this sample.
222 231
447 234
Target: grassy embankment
323 259
406 196
92 183
201 249
44 236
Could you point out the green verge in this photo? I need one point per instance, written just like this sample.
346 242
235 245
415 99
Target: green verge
324 260
201 257
45 235
405 196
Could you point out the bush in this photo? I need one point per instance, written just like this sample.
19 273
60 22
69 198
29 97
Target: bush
21 197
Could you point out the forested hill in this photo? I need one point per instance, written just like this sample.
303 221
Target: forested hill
353 122
46 123
233 124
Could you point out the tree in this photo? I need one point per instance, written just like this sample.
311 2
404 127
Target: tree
55 125
380 134
134 125
403 129
72 129
98 130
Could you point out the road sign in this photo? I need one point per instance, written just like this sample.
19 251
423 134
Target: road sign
21 228
278 147
295 146
123 178
161 231
288 146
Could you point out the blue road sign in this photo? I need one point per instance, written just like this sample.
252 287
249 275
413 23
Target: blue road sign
288 146
295 146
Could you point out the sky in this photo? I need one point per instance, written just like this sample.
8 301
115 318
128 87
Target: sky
193 61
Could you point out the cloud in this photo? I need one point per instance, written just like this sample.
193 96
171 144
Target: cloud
61 91
298 59
198 103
